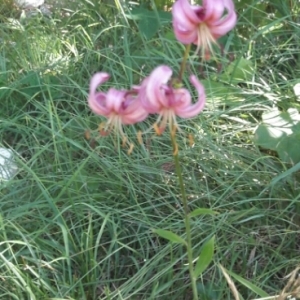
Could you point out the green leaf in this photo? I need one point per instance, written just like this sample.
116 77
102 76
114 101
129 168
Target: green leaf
216 90
202 211
169 235
249 285
288 148
205 257
280 131
240 70
268 137
149 21
148 27
275 126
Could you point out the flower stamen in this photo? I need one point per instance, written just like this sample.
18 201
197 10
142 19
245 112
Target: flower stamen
205 41
191 140
140 138
130 149
158 129
124 141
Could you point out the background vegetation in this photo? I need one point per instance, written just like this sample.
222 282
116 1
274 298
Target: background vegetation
76 222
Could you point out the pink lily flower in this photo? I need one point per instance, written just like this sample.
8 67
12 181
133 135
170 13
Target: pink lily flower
203 25
120 107
159 97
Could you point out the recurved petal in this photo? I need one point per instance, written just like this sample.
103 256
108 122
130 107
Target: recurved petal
142 97
185 36
214 9
97 104
96 80
193 110
223 26
96 100
183 11
135 116
229 4
134 111
188 20
130 104
155 93
182 98
114 99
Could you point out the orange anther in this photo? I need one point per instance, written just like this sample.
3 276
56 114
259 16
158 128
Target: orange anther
140 138
130 149
87 134
191 140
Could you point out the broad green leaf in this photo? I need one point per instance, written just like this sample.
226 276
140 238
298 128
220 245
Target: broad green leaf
280 131
268 137
149 21
284 119
288 149
216 92
216 89
148 27
240 70
202 211
169 235
205 257
296 89
275 126
248 284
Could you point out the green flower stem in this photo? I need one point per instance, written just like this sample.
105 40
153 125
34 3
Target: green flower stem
183 63
186 213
